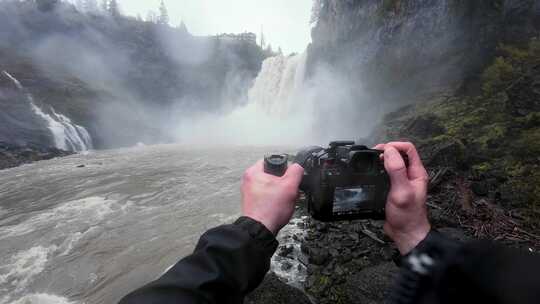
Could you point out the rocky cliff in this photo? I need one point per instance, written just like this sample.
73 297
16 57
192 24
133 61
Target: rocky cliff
401 49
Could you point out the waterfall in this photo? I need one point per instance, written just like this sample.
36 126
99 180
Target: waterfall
67 135
278 86
279 111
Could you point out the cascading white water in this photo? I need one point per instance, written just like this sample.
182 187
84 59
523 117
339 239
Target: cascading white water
67 135
279 84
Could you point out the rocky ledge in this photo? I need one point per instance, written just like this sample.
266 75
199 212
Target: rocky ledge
13 156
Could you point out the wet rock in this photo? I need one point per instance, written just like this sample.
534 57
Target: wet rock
285 251
480 188
304 248
13 156
372 284
286 266
274 291
321 227
318 256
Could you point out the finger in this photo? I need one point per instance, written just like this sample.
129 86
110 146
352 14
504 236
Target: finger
294 174
395 166
256 168
416 169
379 147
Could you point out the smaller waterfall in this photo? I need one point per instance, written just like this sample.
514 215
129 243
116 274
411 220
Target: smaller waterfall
67 135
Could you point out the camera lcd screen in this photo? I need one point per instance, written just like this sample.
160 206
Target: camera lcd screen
351 200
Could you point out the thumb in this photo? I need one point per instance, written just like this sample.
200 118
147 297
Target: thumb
294 173
395 166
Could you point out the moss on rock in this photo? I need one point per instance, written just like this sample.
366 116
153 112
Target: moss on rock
494 134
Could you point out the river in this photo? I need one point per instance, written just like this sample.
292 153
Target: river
74 234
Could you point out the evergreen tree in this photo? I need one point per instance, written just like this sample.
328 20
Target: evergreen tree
163 18
263 41
113 8
151 16
183 28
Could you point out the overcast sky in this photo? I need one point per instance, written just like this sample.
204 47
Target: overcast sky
285 22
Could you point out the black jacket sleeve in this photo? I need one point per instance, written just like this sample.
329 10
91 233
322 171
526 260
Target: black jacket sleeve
440 270
228 262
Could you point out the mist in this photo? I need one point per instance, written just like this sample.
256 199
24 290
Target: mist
130 81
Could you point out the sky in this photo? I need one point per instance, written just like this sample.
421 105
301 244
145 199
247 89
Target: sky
285 23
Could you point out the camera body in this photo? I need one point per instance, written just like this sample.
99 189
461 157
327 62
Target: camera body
344 182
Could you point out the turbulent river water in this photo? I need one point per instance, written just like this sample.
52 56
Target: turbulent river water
72 234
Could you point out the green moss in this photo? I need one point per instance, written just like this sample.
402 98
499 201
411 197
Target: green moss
496 76
482 168
498 142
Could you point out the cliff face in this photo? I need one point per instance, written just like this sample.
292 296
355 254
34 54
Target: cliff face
403 49
464 79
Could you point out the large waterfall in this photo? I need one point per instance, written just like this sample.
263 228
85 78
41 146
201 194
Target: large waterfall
67 135
278 87
279 111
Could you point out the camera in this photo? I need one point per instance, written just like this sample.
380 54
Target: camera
342 182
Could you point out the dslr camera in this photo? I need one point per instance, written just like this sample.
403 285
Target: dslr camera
342 182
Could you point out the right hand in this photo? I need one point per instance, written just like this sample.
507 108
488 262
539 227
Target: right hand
407 222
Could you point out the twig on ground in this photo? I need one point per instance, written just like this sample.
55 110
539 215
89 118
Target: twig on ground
373 236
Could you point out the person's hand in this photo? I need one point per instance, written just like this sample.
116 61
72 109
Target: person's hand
406 213
270 199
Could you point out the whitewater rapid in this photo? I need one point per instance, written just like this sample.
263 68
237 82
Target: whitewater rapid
67 135
73 235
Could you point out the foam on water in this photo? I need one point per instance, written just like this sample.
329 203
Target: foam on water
42 298
91 210
23 267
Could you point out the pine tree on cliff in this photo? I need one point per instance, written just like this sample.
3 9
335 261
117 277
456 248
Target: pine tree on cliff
113 8
163 18
183 28
151 16
263 41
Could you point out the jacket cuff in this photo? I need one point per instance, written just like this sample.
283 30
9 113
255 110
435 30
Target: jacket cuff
438 247
258 232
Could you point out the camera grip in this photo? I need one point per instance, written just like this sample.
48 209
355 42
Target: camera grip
275 165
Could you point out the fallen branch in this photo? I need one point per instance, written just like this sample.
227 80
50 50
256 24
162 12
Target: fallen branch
373 236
